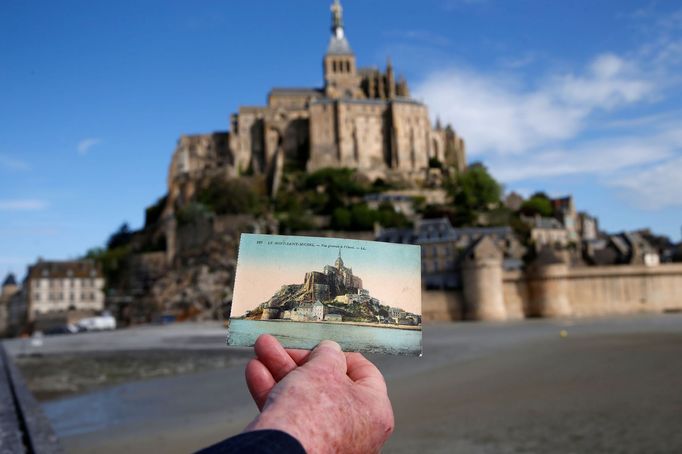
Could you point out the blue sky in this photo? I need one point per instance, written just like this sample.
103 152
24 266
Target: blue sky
570 97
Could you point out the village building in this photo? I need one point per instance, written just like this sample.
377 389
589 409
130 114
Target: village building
626 248
548 232
442 246
10 291
333 317
306 312
565 213
588 227
395 313
53 286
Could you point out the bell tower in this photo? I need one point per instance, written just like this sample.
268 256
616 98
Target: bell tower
340 72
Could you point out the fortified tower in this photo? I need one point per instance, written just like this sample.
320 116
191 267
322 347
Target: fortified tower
482 276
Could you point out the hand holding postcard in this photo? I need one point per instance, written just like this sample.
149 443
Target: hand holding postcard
365 295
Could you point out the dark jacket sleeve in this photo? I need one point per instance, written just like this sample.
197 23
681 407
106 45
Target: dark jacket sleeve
257 442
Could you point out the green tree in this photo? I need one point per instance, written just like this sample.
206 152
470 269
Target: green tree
341 219
474 191
121 237
537 204
339 185
153 213
362 217
233 196
192 213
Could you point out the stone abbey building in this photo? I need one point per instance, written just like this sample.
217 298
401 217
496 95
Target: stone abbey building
361 118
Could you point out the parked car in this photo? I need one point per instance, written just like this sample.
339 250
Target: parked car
61 329
99 323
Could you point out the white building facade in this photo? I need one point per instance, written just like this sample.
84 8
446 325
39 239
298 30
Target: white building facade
64 286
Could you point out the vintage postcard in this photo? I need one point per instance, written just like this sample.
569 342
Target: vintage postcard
365 295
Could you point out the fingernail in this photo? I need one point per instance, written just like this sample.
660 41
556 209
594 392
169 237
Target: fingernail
329 344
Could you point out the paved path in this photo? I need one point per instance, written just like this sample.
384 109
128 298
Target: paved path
611 385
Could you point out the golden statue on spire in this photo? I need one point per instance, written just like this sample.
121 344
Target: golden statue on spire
337 19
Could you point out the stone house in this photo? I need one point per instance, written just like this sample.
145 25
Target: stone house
10 290
548 232
64 286
626 248
318 311
306 312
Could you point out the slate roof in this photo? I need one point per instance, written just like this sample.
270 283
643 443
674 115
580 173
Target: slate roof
439 230
66 269
547 223
9 280
339 46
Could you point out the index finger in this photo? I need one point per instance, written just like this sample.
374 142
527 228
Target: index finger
299 356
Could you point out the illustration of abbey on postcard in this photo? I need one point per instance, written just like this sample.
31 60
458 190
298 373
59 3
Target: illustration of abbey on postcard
365 295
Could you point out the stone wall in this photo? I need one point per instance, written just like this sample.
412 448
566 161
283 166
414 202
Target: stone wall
556 290
624 289
442 305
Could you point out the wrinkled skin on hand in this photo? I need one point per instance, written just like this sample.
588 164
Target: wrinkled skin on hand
332 402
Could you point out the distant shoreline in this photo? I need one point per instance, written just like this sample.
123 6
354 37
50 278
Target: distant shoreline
373 325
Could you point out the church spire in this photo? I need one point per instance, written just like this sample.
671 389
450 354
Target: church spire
339 261
337 19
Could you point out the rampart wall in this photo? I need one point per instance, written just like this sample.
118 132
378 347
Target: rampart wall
556 290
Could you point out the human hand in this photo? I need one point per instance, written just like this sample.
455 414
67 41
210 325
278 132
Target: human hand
329 400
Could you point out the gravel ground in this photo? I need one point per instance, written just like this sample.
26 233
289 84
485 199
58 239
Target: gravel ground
608 385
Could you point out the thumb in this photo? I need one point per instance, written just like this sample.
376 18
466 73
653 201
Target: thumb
327 355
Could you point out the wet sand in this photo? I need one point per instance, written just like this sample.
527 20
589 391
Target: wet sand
607 386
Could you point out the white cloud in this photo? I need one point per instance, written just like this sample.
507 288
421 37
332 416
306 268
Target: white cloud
22 205
610 82
495 116
657 187
596 158
8 162
85 145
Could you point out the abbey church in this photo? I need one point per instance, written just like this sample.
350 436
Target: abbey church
362 118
